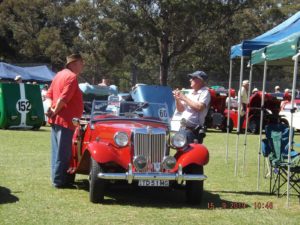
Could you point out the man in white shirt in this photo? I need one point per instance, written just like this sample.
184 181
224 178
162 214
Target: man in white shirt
194 106
243 97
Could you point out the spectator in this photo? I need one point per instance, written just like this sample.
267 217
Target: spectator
18 79
105 82
65 102
277 89
243 97
44 92
194 106
255 90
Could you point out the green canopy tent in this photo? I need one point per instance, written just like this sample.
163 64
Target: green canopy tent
277 53
282 52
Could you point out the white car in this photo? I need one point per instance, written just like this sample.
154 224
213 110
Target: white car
285 113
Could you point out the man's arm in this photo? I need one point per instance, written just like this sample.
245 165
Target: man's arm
179 97
53 111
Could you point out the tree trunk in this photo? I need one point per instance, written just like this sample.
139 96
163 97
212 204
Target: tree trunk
133 74
164 60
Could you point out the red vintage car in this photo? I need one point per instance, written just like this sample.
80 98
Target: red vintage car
215 117
131 141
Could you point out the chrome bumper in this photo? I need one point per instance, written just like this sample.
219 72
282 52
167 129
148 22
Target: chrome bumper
131 176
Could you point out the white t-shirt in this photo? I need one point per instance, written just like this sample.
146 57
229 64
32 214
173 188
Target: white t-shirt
244 99
194 117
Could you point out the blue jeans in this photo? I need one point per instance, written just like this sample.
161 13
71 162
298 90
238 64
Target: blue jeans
61 146
190 136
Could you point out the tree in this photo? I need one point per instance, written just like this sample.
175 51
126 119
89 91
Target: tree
38 34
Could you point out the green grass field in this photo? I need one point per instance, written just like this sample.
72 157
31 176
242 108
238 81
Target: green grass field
27 197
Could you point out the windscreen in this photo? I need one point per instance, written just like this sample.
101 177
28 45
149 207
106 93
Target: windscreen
113 108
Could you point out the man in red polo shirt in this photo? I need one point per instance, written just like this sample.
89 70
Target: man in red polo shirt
65 102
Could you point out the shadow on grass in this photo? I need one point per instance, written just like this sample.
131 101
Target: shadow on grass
6 196
245 193
123 194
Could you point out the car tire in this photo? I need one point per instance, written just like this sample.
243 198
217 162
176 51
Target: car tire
36 128
224 125
96 185
71 178
253 126
194 189
284 121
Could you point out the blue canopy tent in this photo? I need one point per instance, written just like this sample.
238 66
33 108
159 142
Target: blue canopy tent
37 73
282 30
243 50
42 73
8 71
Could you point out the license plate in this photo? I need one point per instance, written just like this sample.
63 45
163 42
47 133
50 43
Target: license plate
154 183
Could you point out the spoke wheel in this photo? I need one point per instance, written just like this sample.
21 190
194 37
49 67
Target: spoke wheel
97 185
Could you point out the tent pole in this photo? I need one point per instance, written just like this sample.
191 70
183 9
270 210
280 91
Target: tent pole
261 121
295 58
247 115
239 114
228 109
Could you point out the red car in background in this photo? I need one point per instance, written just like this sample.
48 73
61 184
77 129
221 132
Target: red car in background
271 111
131 141
215 116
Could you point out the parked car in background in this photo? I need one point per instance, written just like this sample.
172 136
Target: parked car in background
131 141
285 113
271 112
21 106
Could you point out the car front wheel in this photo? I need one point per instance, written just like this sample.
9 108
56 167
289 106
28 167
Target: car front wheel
96 185
224 125
194 189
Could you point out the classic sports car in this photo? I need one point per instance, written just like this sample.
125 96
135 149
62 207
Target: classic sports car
131 141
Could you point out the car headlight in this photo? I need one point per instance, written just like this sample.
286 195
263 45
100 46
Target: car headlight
178 140
121 139
169 162
140 162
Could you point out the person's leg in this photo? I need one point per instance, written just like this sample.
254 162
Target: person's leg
54 149
241 124
63 156
190 136
200 138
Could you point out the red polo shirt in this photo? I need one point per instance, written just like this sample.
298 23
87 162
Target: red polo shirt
65 87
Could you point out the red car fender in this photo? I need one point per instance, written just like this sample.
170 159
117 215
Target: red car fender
233 114
104 152
198 154
234 117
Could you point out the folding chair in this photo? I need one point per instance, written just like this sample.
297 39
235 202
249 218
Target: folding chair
275 147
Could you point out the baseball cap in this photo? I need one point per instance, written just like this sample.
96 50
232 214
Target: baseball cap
199 74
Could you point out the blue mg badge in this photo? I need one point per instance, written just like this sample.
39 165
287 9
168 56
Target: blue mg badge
156 166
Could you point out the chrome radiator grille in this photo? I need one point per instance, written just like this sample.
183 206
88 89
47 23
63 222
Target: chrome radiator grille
151 143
